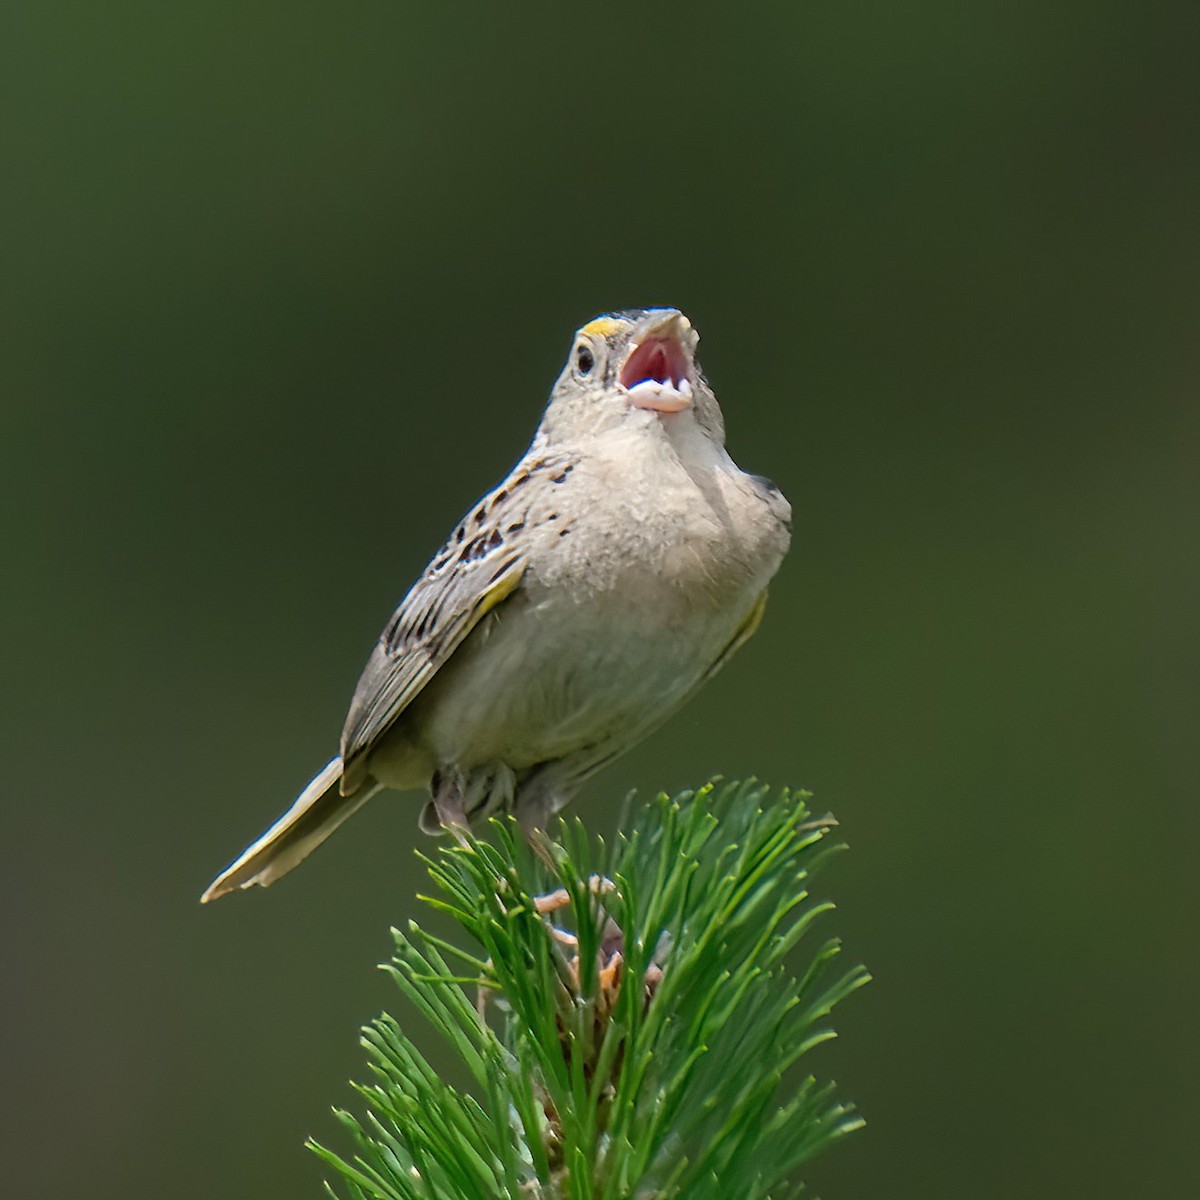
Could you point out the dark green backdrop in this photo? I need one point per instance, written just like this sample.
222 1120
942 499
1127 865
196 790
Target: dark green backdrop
284 286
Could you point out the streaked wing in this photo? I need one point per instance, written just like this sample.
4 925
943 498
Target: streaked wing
478 567
435 618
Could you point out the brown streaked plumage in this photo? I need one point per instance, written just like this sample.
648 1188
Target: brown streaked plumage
578 604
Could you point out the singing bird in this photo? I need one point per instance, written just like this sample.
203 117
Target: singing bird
577 605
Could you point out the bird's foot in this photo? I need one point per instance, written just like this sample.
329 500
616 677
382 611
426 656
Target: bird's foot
449 802
598 885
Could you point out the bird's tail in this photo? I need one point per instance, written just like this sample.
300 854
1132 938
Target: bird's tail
318 811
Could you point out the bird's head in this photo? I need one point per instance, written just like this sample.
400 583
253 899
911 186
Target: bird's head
640 365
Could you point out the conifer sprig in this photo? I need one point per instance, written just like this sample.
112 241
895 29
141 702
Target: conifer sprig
627 1015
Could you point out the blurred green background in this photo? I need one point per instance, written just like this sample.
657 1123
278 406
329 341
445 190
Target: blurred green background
283 289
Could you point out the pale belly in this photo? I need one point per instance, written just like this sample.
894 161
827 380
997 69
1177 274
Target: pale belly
551 677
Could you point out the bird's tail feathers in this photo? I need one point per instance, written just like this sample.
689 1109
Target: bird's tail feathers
317 812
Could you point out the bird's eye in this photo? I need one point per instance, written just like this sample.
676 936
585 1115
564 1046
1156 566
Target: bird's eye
585 360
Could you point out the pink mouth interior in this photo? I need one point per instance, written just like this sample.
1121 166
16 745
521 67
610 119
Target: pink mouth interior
662 360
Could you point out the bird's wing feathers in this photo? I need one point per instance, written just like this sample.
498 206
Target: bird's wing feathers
431 623
479 566
745 631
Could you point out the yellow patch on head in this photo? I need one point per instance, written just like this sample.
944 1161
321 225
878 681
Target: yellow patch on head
602 326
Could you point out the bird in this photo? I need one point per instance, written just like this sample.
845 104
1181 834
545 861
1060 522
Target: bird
577 605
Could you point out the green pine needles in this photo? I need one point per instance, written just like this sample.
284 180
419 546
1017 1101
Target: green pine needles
627 1016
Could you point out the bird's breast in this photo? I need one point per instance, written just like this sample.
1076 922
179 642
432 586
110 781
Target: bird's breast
659 539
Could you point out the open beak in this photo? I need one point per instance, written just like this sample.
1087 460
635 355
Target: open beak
658 366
